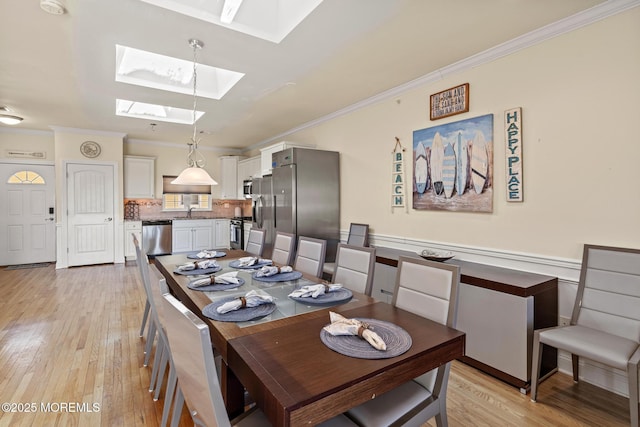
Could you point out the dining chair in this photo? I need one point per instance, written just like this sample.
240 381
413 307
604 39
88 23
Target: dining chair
155 286
142 262
605 323
428 289
255 243
358 236
354 267
145 315
283 248
310 255
192 352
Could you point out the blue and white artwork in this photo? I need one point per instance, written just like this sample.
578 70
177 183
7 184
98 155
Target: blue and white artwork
453 166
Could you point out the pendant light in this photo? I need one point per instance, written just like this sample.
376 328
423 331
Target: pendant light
194 174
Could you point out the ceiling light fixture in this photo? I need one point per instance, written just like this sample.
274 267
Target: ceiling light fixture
229 10
8 119
194 174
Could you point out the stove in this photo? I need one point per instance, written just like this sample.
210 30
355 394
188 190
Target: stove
237 231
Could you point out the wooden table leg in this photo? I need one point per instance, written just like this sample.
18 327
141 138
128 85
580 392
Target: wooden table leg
232 391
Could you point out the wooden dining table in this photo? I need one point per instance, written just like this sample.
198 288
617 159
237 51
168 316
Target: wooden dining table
287 369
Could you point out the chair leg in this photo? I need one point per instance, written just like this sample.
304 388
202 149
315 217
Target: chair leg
178 403
169 395
535 365
151 336
163 367
632 374
575 364
145 316
156 365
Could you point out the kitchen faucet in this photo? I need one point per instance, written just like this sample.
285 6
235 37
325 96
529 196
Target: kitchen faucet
189 212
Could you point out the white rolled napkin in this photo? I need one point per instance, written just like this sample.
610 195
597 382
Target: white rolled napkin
314 291
251 299
270 270
197 265
223 279
206 254
340 325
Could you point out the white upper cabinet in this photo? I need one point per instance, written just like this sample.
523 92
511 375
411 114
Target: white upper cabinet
139 177
265 154
229 177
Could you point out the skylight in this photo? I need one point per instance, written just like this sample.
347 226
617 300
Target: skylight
142 68
270 20
141 110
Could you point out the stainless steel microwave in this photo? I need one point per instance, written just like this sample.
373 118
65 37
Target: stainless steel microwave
247 186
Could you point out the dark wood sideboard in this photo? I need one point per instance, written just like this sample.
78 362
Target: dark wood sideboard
498 309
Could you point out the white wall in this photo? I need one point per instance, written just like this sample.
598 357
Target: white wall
579 94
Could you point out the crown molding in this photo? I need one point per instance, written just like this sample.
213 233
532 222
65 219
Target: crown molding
26 131
181 145
563 26
88 131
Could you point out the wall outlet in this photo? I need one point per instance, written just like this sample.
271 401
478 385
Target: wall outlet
564 321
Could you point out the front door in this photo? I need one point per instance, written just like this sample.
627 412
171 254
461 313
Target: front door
91 228
27 219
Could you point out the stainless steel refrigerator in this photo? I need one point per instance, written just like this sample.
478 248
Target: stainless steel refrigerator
302 197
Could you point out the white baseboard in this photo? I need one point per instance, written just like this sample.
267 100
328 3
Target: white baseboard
594 373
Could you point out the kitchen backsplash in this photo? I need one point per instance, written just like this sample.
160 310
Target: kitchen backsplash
152 209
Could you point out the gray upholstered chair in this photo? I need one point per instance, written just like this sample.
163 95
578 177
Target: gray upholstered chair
283 248
255 243
428 289
358 236
145 315
354 267
155 286
605 323
310 255
199 385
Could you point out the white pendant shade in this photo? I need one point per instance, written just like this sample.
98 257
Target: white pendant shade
194 176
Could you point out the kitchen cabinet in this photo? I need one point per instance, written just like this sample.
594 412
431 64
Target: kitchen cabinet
229 176
222 228
249 168
139 177
265 154
190 235
130 227
498 309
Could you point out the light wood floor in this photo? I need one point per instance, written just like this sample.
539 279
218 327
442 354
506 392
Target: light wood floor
70 336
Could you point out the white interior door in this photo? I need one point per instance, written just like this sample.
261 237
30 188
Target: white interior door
90 213
27 220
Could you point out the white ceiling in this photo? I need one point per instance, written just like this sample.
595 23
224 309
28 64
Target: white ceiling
59 70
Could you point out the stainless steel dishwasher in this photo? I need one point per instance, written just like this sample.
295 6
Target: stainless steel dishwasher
156 237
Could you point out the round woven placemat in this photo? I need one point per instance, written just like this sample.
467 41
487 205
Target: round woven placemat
334 297
280 277
199 271
218 286
397 340
240 315
218 255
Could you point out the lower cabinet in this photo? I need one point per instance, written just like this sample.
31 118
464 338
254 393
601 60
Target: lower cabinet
192 235
222 228
247 229
131 227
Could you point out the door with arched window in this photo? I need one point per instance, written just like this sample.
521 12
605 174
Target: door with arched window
27 218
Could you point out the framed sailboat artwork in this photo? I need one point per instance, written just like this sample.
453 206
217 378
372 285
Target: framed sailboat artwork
453 166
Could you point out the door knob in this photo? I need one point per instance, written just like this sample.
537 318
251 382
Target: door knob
108 219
